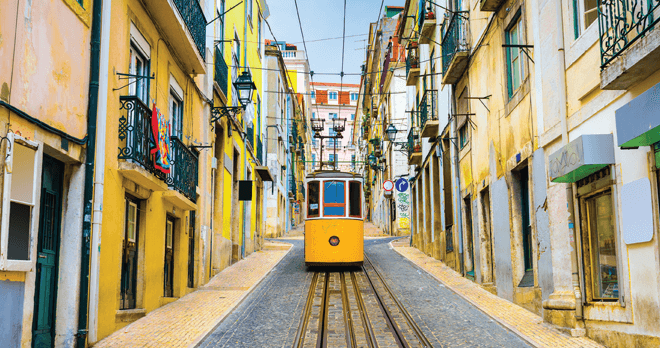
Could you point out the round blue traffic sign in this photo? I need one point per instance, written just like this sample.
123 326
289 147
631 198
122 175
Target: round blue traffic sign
402 185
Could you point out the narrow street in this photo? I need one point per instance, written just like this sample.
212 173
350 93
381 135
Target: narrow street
272 315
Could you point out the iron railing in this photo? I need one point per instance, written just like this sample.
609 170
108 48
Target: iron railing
136 142
412 142
455 38
428 107
412 61
193 16
622 22
221 73
183 170
135 139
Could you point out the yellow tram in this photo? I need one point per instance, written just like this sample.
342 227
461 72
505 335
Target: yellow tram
334 223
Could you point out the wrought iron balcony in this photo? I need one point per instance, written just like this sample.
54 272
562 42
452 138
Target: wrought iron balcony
426 22
622 22
455 47
221 73
193 16
414 148
183 170
428 113
412 64
136 142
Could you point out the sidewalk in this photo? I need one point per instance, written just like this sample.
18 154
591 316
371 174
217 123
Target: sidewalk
527 325
188 320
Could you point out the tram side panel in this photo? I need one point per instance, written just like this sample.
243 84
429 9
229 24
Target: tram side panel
318 244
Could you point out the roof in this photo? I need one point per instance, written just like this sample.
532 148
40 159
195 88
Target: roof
333 84
324 174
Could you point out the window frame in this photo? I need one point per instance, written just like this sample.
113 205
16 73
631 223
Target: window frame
518 24
359 216
7 264
176 115
463 134
333 205
331 94
579 15
309 201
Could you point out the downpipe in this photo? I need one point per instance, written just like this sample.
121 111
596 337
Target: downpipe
98 58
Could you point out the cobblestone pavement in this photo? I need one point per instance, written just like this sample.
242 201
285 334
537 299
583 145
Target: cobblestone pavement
187 320
271 315
524 323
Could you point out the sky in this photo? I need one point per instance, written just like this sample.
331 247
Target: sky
322 19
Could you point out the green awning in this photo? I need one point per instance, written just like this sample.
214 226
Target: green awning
581 157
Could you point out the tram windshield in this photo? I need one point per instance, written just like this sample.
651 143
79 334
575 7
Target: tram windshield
334 198
355 199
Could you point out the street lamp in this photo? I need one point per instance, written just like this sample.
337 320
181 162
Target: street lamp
391 132
245 88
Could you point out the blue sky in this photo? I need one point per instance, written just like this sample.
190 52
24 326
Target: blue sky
323 19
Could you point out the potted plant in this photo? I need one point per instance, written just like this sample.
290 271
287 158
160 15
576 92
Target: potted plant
417 148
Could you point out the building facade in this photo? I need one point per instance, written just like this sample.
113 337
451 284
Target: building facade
540 183
334 101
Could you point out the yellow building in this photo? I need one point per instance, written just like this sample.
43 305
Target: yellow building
180 197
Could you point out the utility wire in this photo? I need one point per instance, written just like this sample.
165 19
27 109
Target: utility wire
302 34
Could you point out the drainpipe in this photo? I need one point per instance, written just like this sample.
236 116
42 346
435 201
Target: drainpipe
565 140
100 16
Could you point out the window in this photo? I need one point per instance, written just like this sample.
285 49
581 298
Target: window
332 157
220 25
332 115
601 233
176 115
354 198
334 198
463 136
515 67
249 11
138 65
313 197
314 95
354 96
313 113
259 34
332 95
314 156
19 199
353 162
585 12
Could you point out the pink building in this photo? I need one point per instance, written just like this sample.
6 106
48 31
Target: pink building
333 100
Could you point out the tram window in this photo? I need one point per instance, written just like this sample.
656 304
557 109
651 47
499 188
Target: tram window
334 198
354 191
313 199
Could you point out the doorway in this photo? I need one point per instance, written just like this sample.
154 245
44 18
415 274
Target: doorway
129 254
43 330
168 286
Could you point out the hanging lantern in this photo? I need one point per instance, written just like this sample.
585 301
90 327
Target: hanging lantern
245 88
391 132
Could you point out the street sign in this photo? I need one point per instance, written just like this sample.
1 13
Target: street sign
402 185
388 185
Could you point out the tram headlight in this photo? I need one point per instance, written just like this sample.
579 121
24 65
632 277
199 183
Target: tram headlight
334 240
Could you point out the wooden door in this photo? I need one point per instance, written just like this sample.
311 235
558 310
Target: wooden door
169 258
129 256
43 329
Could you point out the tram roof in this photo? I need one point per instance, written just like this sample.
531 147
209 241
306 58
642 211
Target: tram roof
322 174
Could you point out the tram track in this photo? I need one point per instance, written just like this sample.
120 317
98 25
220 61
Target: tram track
355 308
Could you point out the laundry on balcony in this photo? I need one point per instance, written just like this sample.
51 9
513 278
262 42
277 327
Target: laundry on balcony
160 141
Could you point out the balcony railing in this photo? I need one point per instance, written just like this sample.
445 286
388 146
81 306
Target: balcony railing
413 143
412 62
193 16
136 142
622 22
383 75
428 107
221 73
455 38
183 170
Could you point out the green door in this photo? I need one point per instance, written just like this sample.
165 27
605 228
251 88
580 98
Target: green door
43 327
168 271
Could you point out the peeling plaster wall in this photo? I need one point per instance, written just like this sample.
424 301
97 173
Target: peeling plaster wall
544 249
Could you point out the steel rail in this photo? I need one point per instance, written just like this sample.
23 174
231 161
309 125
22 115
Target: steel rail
348 319
398 335
302 329
411 322
322 339
371 338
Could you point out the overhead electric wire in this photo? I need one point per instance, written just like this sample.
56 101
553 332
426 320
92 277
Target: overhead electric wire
302 34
